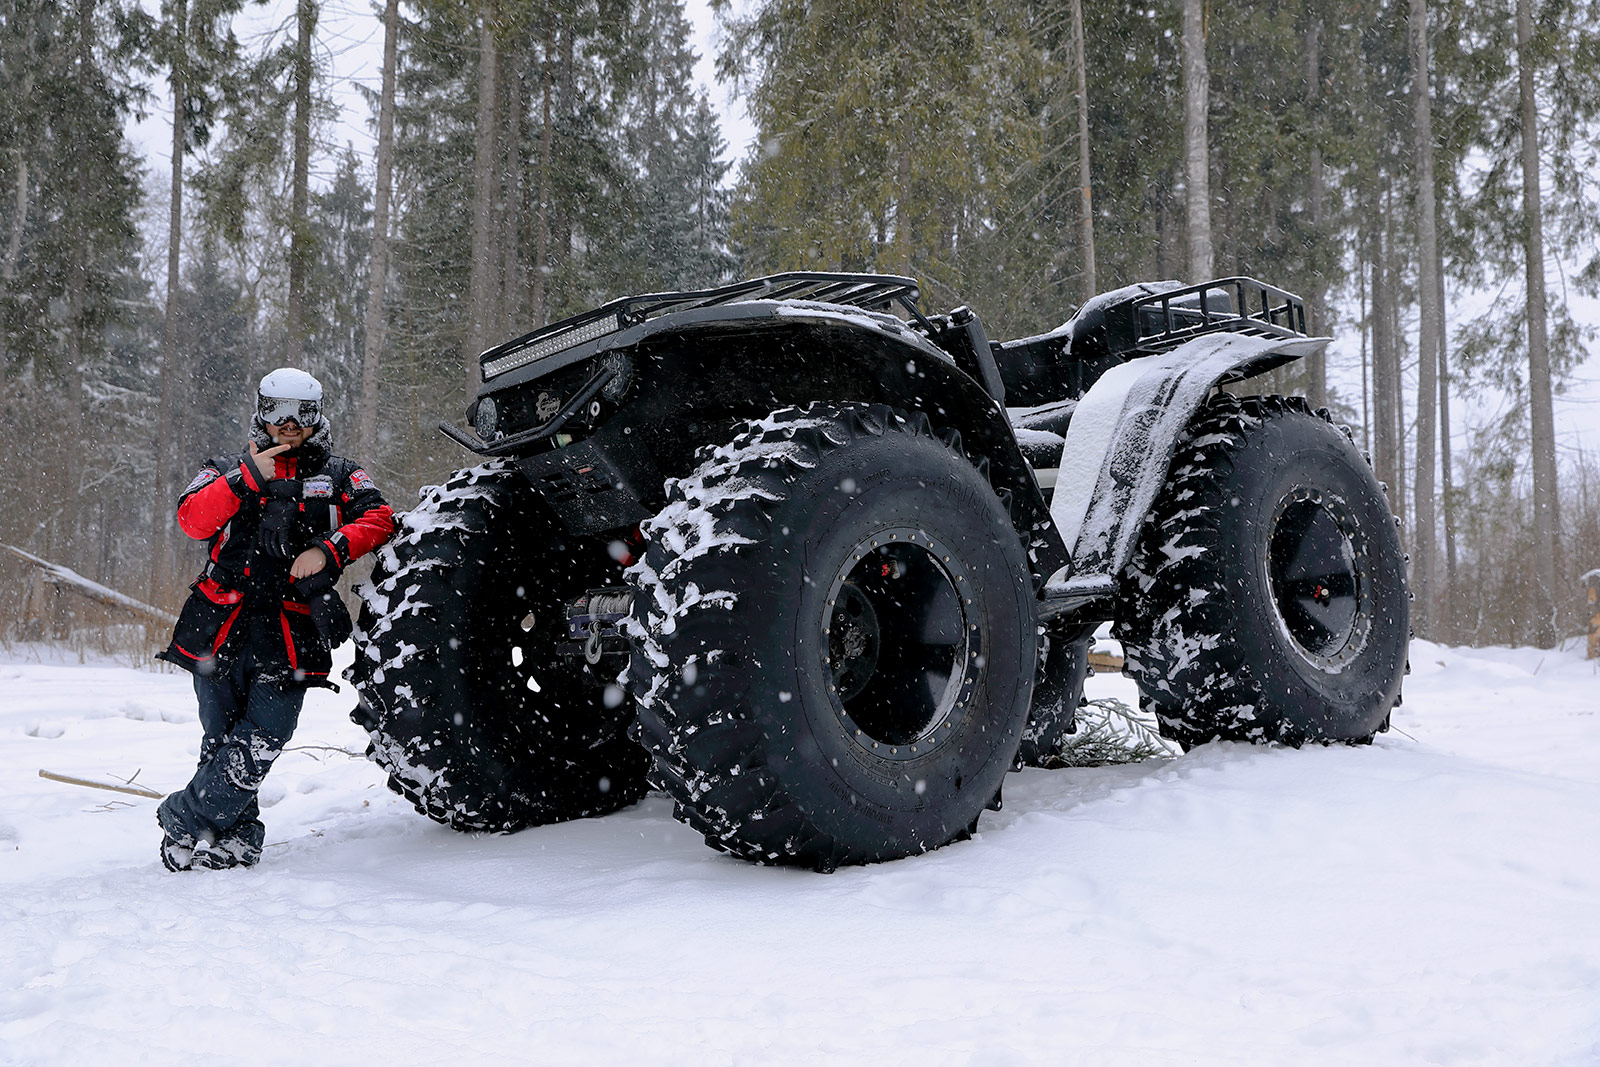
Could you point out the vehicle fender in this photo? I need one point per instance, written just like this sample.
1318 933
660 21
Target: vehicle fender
799 353
1123 434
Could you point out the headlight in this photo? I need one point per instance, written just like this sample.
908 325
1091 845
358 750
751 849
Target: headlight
487 420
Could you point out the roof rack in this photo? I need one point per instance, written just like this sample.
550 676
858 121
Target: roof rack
1162 321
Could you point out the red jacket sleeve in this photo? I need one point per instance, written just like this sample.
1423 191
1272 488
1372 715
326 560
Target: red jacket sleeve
213 498
370 521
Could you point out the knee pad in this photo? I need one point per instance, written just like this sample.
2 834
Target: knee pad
239 769
243 767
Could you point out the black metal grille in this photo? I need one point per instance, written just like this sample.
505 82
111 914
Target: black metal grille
1162 321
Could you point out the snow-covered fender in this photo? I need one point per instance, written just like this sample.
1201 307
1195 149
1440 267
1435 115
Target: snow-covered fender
1121 440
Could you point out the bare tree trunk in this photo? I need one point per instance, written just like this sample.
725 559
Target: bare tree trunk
480 287
1086 202
541 254
1541 407
1362 258
13 254
1446 488
71 457
1196 155
80 255
1385 420
8 265
902 176
300 196
1424 526
1395 270
372 348
19 222
1316 364
162 513
507 321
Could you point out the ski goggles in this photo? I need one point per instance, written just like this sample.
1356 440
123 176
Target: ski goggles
276 409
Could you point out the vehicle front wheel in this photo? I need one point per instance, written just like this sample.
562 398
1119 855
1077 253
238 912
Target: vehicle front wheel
477 718
833 640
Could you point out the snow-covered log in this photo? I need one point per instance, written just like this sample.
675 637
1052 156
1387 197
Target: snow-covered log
39 607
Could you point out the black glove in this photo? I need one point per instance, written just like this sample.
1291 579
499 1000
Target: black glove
328 612
278 517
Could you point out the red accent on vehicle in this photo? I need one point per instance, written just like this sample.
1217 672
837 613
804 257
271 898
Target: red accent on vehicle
633 547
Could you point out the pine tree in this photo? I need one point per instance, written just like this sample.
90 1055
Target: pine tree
883 147
1532 76
378 263
1431 323
68 249
197 49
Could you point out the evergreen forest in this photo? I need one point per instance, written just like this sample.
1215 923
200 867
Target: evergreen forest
532 159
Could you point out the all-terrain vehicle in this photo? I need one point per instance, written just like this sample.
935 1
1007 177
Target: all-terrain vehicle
782 550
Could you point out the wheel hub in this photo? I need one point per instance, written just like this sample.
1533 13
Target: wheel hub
1315 563
853 641
899 649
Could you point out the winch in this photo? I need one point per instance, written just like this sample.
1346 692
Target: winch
592 624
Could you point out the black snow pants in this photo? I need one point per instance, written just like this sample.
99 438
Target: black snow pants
247 721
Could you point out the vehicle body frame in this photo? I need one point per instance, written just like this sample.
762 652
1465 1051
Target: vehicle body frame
598 410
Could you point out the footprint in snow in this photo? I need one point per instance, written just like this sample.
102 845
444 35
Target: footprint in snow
48 730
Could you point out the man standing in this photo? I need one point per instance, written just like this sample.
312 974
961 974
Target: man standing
281 522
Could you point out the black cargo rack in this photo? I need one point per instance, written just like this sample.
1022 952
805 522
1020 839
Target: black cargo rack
872 292
1162 321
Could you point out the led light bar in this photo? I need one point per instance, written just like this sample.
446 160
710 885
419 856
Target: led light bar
549 346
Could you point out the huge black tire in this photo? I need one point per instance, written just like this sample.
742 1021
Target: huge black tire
833 640
1266 600
459 624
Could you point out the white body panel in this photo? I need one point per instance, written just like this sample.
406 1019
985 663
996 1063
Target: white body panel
1122 437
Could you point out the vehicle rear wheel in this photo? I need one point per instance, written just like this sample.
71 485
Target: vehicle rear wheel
1266 599
833 640
477 719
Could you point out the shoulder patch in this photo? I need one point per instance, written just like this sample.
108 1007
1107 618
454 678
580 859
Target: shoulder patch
206 476
361 480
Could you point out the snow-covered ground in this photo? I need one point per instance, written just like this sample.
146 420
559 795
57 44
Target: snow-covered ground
1432 899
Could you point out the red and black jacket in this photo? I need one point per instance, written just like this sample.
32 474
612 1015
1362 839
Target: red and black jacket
245 595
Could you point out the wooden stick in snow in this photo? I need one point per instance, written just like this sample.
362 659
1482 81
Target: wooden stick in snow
136 790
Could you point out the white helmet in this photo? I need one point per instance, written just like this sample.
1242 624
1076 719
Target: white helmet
289 393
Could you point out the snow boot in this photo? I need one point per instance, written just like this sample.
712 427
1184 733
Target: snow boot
228 851
177 843
175 855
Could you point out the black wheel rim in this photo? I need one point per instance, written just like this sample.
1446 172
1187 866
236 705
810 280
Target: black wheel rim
1315 564
898 650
